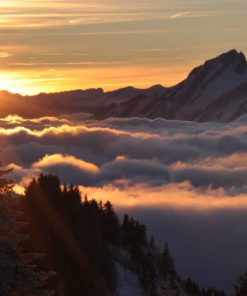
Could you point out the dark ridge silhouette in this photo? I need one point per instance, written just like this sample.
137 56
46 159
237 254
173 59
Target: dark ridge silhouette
198 98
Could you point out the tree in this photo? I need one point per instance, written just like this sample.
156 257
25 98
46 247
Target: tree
241 286
17 275
69 233
111 225
168 273
6 185
191 288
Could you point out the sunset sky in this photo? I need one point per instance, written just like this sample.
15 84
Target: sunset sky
57 45
180 168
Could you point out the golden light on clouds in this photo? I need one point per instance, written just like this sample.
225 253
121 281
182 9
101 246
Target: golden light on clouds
181 197
58 159
183 166
178 197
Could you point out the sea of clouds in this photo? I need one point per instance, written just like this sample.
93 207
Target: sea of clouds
187 181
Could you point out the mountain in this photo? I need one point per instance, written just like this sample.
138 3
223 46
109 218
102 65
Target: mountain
214 91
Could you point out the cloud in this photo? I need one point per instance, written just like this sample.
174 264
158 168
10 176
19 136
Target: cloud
4 55
181 14
185 180
181 197
207 246
37 16
204 228
55 159
154 151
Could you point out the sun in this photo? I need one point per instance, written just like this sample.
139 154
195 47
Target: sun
12 82
5 83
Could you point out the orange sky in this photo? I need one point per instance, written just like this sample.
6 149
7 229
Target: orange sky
56 45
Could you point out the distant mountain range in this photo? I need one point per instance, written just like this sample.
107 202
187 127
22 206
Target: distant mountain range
214 91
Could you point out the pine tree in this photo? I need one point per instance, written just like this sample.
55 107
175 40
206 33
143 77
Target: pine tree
69 232
241 286
168 273
17 274
111 225
167 289
191 288
6 185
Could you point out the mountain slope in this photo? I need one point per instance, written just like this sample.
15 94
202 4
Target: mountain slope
214 91
206 94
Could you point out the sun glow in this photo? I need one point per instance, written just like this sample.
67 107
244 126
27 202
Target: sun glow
16 82
29 82
5 83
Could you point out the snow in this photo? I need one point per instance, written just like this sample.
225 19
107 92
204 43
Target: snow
243 118
222 84
196 98
128 282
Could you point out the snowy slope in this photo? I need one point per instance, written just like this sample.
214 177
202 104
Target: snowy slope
197 98
207 83
128 282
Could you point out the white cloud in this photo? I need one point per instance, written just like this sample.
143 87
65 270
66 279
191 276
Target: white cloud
181 14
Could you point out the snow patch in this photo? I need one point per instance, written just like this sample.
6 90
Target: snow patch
128 282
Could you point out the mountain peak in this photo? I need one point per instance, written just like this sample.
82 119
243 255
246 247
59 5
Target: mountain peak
231 58
157 87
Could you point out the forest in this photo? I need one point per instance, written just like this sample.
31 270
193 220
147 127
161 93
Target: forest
54 241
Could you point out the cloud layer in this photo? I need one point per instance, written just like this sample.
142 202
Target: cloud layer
154 152
190 172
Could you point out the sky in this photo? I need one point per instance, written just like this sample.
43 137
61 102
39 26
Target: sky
185 180
54 45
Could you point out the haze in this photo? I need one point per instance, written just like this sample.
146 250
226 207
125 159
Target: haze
58 45
174 158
